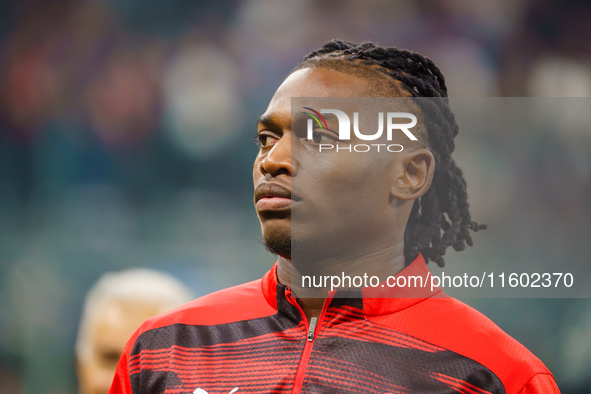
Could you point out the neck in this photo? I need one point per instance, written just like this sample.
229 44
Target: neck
382 262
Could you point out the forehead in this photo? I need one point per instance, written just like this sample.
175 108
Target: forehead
356 81
327 82
315 82
322 82
124 316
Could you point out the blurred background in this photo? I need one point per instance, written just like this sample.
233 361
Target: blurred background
126 134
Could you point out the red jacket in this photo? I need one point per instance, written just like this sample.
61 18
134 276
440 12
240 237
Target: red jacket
254 338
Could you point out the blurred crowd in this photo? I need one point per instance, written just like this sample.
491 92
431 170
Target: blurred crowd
126 135
90 89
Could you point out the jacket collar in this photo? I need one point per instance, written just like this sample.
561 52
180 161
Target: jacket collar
380 300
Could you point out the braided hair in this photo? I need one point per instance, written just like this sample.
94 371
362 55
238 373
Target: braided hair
441 217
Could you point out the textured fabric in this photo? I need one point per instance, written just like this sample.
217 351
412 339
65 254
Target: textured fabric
253 338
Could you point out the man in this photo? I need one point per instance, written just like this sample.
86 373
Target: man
274 335
115 306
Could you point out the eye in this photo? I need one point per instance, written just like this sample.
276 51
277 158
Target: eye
321 137
263 139
256 140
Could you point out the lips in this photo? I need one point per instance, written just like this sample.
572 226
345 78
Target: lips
272 196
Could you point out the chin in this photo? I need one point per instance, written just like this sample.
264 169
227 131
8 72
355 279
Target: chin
280 239
280 246
277 237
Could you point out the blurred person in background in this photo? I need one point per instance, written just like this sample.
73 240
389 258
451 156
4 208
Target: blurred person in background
115 306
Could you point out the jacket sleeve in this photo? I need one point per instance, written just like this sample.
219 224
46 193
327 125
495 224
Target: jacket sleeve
542 383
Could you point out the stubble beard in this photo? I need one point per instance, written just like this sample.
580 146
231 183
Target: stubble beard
279 245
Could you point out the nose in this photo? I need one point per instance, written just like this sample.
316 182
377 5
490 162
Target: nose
279 159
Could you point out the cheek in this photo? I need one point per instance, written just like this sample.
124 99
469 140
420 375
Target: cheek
350 177
256 172
92 377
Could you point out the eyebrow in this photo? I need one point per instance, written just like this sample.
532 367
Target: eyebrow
265 120
330 117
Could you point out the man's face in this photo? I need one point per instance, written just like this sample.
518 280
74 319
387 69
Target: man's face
326 200
109 332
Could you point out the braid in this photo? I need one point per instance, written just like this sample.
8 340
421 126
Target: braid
441 217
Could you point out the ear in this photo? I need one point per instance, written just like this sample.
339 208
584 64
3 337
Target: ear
413 174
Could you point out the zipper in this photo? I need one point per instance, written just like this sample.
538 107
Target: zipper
311 329
311 336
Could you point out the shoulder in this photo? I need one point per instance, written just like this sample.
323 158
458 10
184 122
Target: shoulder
238 303
451 324
242 302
